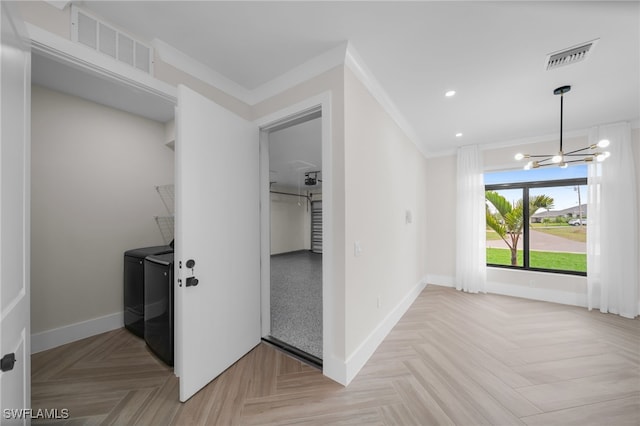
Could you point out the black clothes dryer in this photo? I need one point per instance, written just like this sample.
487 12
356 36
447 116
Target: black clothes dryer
158 305
134 286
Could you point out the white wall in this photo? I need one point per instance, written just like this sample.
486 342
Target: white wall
440 188
290 224
385 176
568 289
94 172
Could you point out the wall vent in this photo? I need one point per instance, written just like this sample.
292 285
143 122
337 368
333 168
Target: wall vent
570 56
90 31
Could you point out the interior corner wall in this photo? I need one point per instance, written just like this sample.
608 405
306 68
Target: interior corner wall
169 74
440 187
290 223
94 171
385 179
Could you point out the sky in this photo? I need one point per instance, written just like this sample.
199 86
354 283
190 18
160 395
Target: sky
563 196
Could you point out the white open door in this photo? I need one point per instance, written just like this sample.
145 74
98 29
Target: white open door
217 227
15 95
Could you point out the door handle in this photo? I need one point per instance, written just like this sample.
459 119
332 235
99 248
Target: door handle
7 362
191 282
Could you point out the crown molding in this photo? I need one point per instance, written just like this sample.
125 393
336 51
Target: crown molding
635 124
186 63
303 72
345 53
58 4
356 64
534 139
307 70
510 143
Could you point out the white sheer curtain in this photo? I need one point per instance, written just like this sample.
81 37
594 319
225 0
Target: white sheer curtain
471 264
612 225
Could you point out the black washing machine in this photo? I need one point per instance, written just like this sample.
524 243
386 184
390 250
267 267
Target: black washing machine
158 305
134 286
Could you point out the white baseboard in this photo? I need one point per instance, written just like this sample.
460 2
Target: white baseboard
441 280
335 369
534 293
70 333
543 294
361 355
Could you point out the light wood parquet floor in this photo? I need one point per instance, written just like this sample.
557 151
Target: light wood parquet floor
453 358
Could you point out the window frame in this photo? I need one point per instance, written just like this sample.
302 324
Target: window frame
525 186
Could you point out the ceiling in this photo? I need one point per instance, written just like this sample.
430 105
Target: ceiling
294 151
491 53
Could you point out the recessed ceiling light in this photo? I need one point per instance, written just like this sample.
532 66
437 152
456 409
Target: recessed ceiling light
458 135
450 93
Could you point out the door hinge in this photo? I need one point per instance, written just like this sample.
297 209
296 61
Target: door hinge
7 362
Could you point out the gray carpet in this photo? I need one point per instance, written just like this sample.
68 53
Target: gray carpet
296 300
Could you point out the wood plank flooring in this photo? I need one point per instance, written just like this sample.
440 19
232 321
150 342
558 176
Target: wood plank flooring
454 358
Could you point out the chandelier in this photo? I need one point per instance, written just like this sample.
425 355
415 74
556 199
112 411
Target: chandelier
562 159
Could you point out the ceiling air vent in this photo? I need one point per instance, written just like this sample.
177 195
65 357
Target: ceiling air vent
570 56
92 32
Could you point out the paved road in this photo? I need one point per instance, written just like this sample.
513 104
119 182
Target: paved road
545 242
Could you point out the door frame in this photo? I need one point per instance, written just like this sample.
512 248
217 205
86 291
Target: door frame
320 102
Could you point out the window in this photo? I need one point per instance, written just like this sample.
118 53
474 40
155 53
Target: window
537 219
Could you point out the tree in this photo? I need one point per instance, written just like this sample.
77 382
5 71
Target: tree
507 220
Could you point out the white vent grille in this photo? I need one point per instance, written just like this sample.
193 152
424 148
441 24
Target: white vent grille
96 34
570 56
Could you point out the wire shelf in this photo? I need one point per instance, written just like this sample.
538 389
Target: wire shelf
166 227
167 195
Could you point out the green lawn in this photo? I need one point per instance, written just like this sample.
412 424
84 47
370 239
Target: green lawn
541 259
574 233
492 235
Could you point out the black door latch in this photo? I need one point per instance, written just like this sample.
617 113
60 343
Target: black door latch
7 362
191 282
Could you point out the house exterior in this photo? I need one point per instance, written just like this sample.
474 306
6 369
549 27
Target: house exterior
568 213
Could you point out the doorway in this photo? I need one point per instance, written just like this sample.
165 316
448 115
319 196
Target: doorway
295 237
100 171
